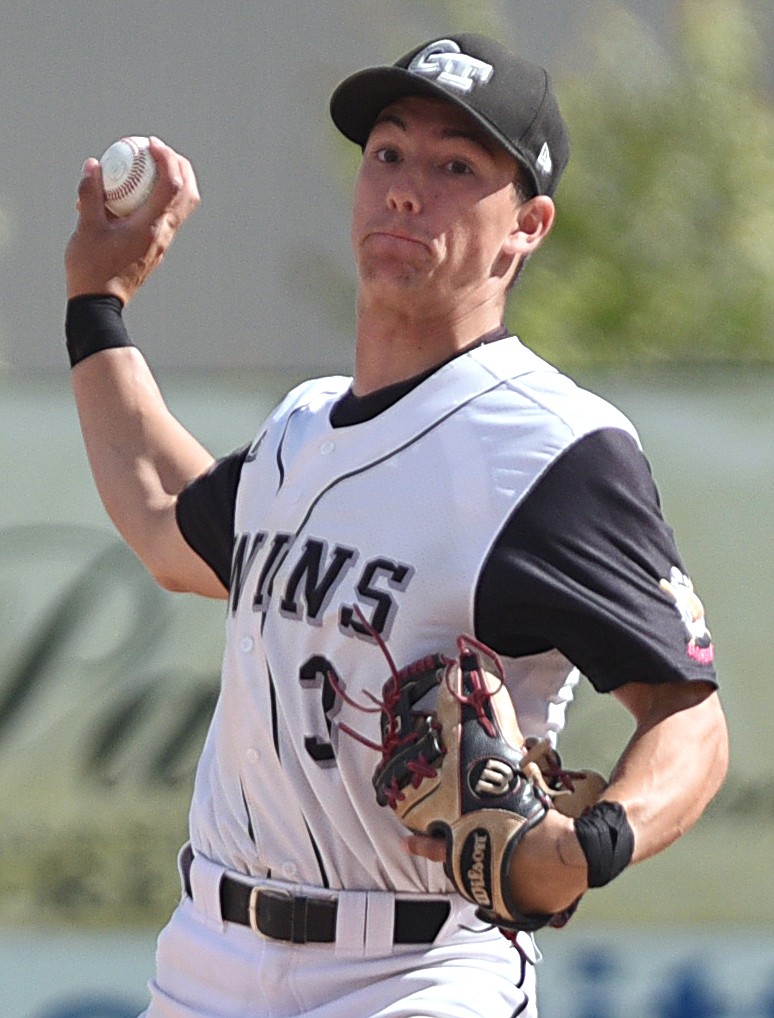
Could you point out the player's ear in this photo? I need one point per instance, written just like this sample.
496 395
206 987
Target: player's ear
533 220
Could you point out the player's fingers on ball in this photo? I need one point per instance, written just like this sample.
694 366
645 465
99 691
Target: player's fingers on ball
168 163
176 185
190 184
166 187
188 197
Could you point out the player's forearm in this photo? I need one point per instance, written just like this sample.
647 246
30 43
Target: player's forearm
674 764
140 456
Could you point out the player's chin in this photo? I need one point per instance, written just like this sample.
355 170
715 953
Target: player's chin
388 279
411 263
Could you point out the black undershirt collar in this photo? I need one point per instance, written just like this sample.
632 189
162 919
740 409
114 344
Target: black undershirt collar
351 409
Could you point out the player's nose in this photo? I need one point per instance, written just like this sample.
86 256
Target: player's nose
403 195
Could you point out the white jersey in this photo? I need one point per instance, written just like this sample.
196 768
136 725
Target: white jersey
385 525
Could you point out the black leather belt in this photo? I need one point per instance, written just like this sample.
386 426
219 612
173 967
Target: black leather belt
301 920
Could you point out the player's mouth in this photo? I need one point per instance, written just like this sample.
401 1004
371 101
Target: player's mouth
395 237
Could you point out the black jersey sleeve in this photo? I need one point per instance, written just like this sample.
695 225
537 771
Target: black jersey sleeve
205 513
579 567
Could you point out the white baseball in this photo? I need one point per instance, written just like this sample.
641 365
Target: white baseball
128 174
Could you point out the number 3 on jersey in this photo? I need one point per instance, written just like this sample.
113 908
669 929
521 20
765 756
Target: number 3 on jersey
314 674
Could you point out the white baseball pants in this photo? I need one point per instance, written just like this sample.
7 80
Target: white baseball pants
207 968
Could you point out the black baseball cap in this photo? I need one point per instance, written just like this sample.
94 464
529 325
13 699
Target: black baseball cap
509 97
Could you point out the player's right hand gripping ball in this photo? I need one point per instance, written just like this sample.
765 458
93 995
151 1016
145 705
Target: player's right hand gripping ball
459 772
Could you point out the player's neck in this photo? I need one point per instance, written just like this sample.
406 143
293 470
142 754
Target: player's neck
394 347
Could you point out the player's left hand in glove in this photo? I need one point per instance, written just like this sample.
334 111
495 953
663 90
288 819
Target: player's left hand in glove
464 772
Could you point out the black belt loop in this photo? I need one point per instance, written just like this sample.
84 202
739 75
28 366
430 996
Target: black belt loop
300 919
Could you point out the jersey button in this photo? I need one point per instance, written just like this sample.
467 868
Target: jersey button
289 869
253 755
246 644
327 448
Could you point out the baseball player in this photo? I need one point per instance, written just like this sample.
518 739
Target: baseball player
455 484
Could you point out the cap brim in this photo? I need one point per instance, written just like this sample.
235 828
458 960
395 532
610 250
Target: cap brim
360 98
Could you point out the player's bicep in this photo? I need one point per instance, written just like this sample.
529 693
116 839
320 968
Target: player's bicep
204 517
649 703
174 564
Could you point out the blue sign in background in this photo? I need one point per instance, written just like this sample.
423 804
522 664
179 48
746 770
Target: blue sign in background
596 972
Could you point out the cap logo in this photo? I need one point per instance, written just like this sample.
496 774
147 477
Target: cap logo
449 66
543 162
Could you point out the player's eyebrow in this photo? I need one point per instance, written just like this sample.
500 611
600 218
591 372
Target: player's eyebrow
469 135
465 133
390 118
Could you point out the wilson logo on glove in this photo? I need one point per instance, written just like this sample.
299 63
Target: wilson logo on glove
494 777
476 860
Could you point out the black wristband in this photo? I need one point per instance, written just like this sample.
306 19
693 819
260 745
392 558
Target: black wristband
93 322
607 841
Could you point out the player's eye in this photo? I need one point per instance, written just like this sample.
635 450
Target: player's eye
385 154
458 167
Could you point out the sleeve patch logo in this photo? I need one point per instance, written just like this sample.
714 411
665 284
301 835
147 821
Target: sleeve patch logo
680 588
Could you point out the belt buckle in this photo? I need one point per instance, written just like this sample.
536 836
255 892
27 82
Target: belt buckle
252 909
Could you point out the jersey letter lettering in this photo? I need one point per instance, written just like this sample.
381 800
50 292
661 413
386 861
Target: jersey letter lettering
317 589
397 577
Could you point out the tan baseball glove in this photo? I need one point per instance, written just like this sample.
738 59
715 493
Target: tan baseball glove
465 773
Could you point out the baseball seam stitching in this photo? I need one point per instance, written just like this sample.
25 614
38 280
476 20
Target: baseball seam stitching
134 179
